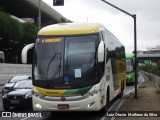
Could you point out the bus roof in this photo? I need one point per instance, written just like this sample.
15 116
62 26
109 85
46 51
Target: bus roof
129 55
70 29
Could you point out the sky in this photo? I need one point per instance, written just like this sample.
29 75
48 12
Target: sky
120 24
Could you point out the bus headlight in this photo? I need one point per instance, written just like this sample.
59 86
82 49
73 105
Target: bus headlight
37 94
92 93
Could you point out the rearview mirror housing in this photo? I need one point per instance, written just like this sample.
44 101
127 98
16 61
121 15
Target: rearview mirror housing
101 52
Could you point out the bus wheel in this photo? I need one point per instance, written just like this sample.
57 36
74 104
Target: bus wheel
108 97
122 89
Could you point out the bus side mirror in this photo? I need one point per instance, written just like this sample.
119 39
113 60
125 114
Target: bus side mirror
101 52
24 52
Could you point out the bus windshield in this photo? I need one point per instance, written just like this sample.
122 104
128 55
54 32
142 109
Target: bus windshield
66 60
129 65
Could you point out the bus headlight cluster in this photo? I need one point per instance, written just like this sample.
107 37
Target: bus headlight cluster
92 93
37 94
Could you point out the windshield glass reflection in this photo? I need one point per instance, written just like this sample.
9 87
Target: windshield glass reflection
24 84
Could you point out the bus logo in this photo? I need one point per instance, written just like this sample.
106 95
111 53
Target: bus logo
62 98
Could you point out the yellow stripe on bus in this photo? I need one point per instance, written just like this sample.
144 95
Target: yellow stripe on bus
49 92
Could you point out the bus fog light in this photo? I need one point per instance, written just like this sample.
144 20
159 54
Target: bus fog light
38 106
90 104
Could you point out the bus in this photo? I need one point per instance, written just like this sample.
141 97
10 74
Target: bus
2 57
76 67
130 77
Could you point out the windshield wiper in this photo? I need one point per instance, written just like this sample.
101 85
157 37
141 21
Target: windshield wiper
51 62
58 68
60 65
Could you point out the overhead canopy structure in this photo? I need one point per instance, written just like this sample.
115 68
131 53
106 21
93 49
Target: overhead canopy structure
149 59
148 56
30 9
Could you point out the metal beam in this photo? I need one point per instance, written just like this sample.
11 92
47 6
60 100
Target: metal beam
135 42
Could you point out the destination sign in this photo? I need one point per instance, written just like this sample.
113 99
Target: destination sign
48 40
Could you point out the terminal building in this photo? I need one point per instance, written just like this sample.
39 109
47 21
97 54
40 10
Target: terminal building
22 11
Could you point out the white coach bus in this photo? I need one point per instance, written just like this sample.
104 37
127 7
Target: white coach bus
76 67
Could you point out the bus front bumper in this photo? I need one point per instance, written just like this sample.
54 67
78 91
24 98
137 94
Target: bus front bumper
91 103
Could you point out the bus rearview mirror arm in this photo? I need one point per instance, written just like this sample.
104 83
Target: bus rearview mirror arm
24 52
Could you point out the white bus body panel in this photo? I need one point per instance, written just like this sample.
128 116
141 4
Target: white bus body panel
78 105
82 105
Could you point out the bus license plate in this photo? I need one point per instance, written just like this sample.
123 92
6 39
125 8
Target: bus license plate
63 106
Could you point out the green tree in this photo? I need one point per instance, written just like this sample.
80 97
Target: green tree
63 20
153 69
10 28
29 32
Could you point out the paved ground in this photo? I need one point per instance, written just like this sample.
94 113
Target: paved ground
148 102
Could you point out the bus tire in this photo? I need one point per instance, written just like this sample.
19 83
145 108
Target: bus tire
108 96
122 89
